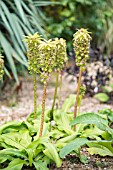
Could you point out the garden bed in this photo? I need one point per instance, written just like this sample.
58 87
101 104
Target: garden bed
20 106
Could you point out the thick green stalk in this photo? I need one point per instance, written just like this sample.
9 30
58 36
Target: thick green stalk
55 95
43 110
78 91
59 96
35 95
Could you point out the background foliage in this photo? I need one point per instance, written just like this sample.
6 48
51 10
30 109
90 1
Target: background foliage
96 15
51 18
18 18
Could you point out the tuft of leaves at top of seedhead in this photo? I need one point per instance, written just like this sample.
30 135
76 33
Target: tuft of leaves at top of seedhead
81 46
1 67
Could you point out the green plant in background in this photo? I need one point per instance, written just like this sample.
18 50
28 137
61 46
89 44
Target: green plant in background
18 18
106 93
33 42
96 15
60 61
1 67
81 47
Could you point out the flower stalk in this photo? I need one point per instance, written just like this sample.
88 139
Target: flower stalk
78 91
59 95
35 95
43 110
55 95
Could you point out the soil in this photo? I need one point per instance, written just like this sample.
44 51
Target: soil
71 162
15 106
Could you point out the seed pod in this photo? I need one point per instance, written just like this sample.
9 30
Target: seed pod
33 42
1 67
81 46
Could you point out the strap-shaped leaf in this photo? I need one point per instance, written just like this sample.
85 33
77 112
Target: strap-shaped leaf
16 164
52 153
75 144
39 165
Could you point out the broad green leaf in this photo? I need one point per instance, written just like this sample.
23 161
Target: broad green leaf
103 97
38 151
91 118
16 164
12 124
75 144
19 140
51 152
30 155
92 133
34 144
68 103
31 127
4 158
103 148
62 121
107 112
68 138
40 165
56 134
13 152
12 140
25 138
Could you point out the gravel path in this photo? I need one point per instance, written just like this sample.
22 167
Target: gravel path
13 107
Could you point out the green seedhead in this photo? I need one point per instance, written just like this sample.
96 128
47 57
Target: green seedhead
47 59
33 42
1 67
81 46
61 55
